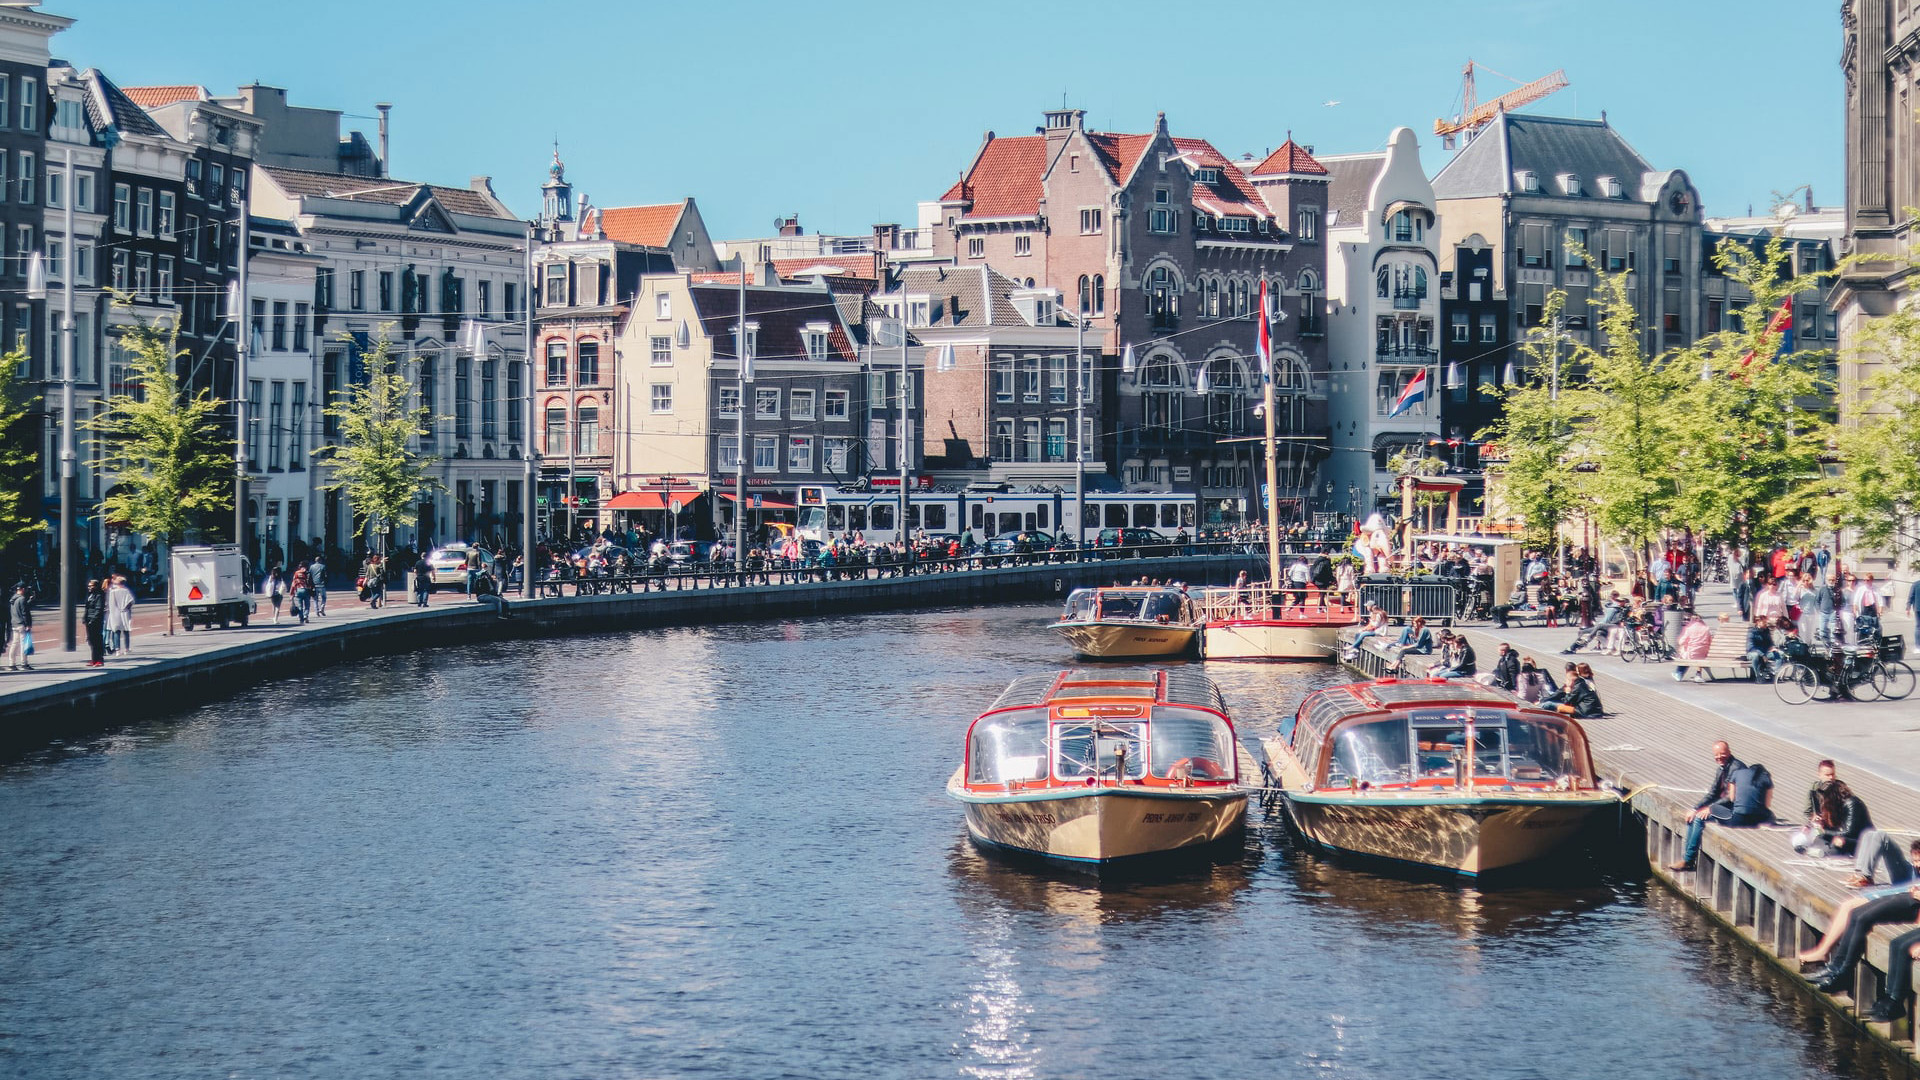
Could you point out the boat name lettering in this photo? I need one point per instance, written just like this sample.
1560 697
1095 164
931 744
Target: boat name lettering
1170 819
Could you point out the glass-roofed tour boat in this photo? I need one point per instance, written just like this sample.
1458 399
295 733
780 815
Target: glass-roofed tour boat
1093 767
1126 622
1441 773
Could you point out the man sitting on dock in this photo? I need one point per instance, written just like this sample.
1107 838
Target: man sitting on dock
1741 805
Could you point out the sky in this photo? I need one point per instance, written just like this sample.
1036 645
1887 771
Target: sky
849 113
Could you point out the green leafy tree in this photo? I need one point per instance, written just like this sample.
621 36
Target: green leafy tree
375 464
1877 493
1750 430
1412 463
17 472
172 463
1533 437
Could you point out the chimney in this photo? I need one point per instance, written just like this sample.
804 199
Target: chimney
790 226
384 107
763 272
1809 198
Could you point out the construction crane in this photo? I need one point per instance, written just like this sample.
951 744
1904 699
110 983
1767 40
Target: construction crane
1471 117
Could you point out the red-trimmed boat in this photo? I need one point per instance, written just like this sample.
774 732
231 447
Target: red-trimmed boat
1093 767
1441 773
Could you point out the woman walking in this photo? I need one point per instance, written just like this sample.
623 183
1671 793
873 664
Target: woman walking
94 617
120 616
275 590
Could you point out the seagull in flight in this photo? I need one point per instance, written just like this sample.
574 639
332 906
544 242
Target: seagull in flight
1330 103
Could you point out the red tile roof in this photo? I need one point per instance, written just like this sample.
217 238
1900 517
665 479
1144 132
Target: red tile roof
1119 153
152 97
1290 158
648 226
1005 178
847 266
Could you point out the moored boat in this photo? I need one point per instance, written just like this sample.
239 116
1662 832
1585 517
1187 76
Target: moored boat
1440 773
1255 622
1128 622
1097 767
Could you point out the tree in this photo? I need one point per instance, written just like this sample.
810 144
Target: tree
171 462
1413 463
1535 432
374 463
1878 490
17 456
1749 442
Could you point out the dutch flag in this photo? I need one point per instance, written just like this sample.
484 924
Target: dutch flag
1414 394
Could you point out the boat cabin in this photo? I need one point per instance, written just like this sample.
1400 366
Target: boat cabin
1124 604
1413 734
1079 729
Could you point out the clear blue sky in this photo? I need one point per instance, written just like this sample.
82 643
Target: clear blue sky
848 113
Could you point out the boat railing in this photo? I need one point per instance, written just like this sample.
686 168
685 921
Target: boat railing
1259 600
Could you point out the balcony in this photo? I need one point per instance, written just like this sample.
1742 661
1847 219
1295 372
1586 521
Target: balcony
1408 354
1408 299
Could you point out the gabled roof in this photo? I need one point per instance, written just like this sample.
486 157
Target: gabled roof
782 315
829 266
975 296
385 190
647 226
152 97
109 106
1291 159
1004 180
1351 187
1547 146
1119 153
1232 194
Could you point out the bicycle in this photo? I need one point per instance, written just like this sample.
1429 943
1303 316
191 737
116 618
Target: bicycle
1842 673
1645 640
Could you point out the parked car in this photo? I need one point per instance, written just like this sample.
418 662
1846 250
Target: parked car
685 554
1130 542
447 565
1009 546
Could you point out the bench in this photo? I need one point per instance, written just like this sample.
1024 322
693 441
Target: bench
1728 653
1533 609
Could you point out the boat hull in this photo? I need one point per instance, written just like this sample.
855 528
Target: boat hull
1269 639
1464 834
1103 825
1116 640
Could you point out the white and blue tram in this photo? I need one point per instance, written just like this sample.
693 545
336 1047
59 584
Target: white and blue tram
826 512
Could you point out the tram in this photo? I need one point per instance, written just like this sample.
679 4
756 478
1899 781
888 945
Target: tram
987 510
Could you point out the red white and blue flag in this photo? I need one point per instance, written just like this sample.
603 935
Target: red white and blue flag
1414 394
1266 334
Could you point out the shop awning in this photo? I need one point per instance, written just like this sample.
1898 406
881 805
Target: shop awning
652 500
767 502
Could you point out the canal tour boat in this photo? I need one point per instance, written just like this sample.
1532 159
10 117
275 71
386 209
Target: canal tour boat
1257 622
1098 767
1128 622
1440 773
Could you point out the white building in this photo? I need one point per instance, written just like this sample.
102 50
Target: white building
417 261
1383 288
283 413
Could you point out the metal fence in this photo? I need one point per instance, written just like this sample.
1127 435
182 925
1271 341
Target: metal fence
1437 602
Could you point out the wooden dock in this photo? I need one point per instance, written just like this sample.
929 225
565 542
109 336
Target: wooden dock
1658 746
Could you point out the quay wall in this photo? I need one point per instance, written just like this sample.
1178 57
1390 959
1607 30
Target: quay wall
117 695
1751 881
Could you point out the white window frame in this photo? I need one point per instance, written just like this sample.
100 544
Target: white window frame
766 403
1022 246
838 406
799 453
976 247
727 395
660 398
1092 220
800 404
663 305
769 461
660 350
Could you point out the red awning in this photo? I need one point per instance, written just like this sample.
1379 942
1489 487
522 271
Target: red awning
651 500
767 502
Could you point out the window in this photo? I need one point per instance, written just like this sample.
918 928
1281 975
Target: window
489 399
1461 332
587 441
297 430
302 315
483 293
1056 440
1160 220
663 306
510 298
816 344
976 247
836 451
279 326
589 363
729 456
555 276
83 263
120 269
1057 379
216 183
660 398
556 440
766 453
729 401
27 173
1090 220
1489 330
766 403
29 104
1030 379
166 215
56 188
122 207
1670 264
164 286
193 177
1616 250
513 402
1533 246
143 211
1408 227
556 363
276 427
83 192
4 113
1576 249
918 312
254 392
1022 245
1099 294
143 274
1003 440
463 397
190 244
1030 440
837 404
386 290
1307 223
357 290
1162 302
800 404
660 350
799 454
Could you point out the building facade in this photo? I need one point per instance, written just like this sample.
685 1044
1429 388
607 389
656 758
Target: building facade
1383 289
1162 244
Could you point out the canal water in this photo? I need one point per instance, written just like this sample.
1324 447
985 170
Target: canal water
726 852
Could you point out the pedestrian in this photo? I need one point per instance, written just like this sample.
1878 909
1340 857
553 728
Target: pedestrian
302 593
20 625
317 580
120 615
275 590
93 615
422 583
1506 670
1736 797
1696 640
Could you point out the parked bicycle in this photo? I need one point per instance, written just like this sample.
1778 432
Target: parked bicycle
1844 673
1646 642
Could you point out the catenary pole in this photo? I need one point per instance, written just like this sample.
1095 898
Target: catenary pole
241 343
527 502
905 446
1079 431
69 568
740 431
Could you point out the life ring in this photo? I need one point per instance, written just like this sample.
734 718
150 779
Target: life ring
1187 768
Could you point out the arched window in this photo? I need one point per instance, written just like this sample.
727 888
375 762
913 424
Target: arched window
1309 303
1210 305
556 363
1163 390
1419 283
1226 398
1086 294
556 441
589 363
1383 282
1099 294
1163 298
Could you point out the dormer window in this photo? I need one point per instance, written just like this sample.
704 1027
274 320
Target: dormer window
816 341
1528 181
1208 175
1610 186
1570 184
1236 224
1043 311
918 312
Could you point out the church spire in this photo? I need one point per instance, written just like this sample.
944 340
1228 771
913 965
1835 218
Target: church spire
557 202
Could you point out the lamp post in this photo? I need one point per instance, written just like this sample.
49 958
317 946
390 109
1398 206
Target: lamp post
742 376
530 474
1080 430
241 342
64 343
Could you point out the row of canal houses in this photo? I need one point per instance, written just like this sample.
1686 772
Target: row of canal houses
1067 275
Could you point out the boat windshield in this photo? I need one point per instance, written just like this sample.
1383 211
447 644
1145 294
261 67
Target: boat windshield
1427 744
1007 747
1371 753
1103 748
1101 605
1190 744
